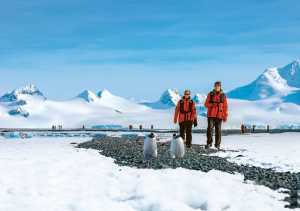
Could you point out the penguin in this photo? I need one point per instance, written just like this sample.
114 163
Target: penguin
150 147
177 149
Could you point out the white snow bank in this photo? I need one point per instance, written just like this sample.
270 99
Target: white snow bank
50 174
278 151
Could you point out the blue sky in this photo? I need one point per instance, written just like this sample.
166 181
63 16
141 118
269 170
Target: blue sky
138 48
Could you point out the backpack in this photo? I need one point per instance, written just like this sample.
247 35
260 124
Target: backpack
212 95
191 103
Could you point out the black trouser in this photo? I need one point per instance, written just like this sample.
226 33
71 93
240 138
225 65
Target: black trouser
217 124
186 132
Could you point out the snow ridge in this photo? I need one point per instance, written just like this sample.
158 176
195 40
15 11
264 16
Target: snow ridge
28 90
168 99
88 96
274 82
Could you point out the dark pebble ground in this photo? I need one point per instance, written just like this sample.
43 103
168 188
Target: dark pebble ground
129 152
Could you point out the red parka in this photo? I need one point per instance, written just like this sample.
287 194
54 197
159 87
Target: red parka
216 104
185 113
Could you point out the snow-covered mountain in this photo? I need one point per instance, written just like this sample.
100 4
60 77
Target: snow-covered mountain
120 104
199 99
20 93
106 99
28 107
168 99
293 98
88 96
17 100
274 82
291 73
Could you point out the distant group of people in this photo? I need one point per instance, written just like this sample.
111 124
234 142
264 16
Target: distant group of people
58 127
217 112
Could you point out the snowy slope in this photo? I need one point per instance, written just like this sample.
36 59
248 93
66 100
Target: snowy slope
118 103
274 82
77 112
291 73
23 92
277 151
34 178
88 96
170 98
167 100
293 98
263 112
17 101
199 99
86 109
108 100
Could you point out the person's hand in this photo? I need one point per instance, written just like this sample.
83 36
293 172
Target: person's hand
195 123
175 122
225 119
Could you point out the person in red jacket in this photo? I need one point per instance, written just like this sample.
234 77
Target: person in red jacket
217 112
186 115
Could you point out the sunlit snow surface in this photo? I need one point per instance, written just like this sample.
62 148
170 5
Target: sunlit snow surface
50 174
278 151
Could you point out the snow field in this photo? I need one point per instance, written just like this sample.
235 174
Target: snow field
278 151
50 174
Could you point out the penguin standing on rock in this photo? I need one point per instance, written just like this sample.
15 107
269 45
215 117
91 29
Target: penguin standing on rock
177 149
150 147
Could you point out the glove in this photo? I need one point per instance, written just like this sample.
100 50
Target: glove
195 123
